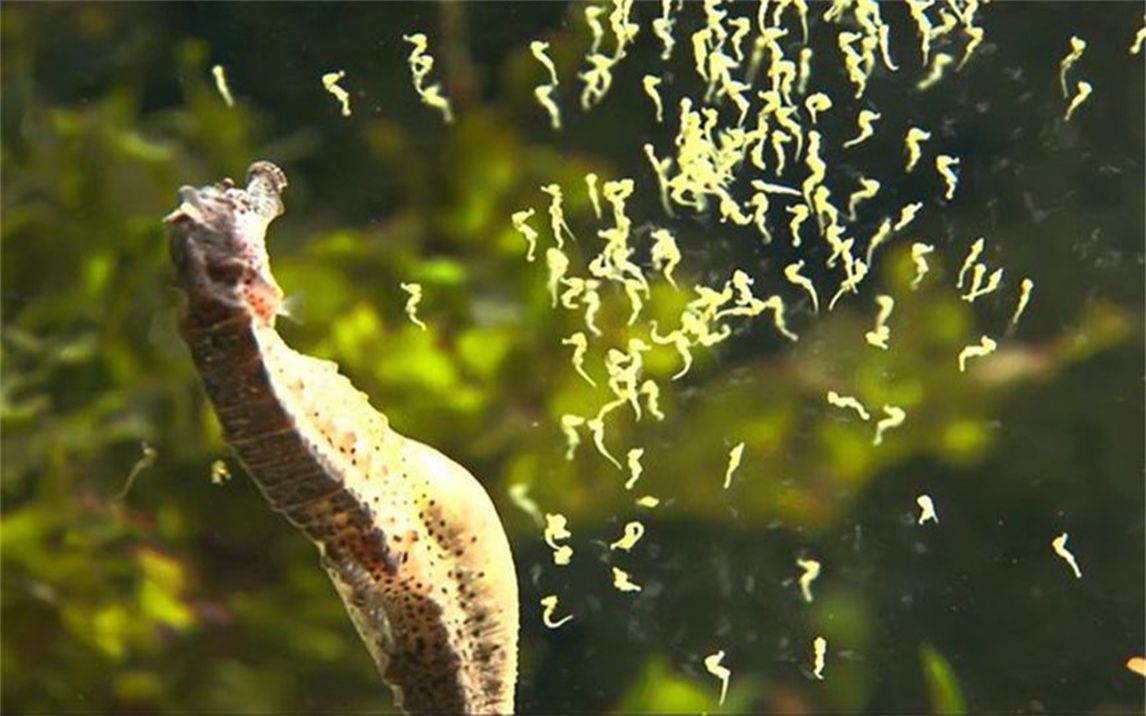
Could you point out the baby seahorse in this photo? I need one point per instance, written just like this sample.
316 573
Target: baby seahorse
409 537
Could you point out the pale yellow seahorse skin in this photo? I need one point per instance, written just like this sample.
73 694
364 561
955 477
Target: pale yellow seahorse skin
409 537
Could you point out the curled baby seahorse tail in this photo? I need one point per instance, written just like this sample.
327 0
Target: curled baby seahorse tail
410 539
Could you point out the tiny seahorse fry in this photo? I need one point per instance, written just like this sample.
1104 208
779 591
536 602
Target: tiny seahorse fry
712 664
734 456
926 510
847 401
549 605
414 291
895 418
819 657
985 347
811 573
623 582
633 532
1058 544
220 76
330 83
556 528
410 538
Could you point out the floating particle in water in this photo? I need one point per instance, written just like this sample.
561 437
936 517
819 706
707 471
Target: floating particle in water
1137 44
1137 664
811 573
519 219
648 502
633 532
1077 47
880 334
912 143
946 165
848 402
556 528
918 253
1084 90
713 665
1058 544
330 82
985 347
549 605
734 456
221 84
895 418
219 472
623 582
926 510
415 292
633 460
1025 288
819 657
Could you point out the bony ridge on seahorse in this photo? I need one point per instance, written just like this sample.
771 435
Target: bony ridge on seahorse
410 538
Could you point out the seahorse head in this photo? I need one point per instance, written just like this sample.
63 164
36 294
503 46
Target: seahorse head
217 241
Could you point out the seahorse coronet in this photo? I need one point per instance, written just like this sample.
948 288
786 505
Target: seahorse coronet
409 537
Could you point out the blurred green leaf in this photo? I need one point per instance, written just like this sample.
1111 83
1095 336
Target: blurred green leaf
943 688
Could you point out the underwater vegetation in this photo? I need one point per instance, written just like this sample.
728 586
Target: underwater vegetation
749 454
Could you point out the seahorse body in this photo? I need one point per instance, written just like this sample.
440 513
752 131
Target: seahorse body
409 537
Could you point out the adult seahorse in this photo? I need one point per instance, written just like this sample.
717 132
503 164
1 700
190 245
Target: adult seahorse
409 537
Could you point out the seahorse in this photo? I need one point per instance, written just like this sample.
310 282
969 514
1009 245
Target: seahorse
409 537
